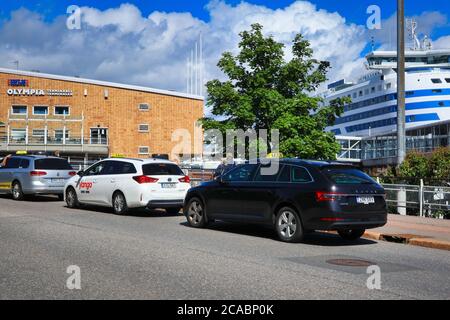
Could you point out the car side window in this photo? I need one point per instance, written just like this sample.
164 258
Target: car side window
13 163
24 164
241 173
301 175
96 169
265 177
285 174
118 167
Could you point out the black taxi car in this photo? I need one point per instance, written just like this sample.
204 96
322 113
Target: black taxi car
300 196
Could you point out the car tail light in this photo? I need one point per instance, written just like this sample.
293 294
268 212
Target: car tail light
328 196
185 179
72 173
145 179
38 173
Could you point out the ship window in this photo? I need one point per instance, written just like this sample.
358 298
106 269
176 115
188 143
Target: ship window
441 104
436 90
355 95
366 91
372 89
436 80
409 93
447 80
388 85
360 93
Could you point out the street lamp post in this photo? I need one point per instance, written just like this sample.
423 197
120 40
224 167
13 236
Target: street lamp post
401 140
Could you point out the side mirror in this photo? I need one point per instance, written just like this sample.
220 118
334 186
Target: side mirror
80 173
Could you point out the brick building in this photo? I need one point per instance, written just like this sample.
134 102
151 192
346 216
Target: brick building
88 119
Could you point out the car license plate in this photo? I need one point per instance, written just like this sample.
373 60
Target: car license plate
168 185
58 180
365 200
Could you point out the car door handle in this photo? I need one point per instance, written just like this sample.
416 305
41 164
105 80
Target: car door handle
113 181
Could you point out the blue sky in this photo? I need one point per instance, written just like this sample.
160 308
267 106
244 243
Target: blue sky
126 41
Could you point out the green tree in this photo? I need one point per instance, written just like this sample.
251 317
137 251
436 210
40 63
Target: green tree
414 166
439 164
263 91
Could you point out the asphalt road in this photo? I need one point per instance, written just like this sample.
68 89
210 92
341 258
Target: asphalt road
149 255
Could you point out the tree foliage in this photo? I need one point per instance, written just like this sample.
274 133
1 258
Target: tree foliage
263 91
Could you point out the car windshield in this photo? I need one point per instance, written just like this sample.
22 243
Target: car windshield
347 176
52 164
161 169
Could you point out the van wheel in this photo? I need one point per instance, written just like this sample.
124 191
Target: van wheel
71 198
120 206
173 211
351 234
195 213
17 192
288 225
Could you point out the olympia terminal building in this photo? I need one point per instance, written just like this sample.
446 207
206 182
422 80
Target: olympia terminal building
85 120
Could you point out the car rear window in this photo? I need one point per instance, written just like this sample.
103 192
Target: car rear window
341 175
52 164
162 169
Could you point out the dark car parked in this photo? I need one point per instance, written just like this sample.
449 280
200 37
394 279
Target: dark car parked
301 196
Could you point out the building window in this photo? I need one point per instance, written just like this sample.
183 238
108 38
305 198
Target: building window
144 150
59 133
388 85
38 132
144 107
144 128
436 80
19 109
40 110
18 135
62 111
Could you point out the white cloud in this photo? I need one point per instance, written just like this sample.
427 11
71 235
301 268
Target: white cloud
122 45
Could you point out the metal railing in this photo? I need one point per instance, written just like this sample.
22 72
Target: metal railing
39 140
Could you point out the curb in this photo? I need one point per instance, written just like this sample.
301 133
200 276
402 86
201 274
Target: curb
410 239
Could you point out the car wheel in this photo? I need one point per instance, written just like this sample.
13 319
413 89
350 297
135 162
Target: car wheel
71 198
288 225
195 213
119 203
17 192
351 234
173 211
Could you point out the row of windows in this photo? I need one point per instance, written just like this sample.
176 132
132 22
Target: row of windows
372 125
41 110
253 172
57 110
384 110
438 80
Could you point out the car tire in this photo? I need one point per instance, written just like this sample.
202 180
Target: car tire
353 234
119 202
17 192
173 211
195 213
72 198
288 225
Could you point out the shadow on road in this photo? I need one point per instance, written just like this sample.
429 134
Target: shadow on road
141 212
316 238
34 198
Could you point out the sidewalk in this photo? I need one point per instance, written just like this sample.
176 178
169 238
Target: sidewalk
426 232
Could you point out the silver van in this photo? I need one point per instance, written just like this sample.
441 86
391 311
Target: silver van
30 175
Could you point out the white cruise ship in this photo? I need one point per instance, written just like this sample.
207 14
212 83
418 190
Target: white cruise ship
373 109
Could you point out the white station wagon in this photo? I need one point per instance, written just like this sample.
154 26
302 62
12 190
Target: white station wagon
129 183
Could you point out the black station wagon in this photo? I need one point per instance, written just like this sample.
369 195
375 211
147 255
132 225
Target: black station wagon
300 196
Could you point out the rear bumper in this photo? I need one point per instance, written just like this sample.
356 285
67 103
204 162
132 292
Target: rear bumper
165 203
341 221
44 190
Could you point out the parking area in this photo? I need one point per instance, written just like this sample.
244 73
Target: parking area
149 254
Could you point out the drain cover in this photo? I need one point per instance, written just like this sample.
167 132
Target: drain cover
350 262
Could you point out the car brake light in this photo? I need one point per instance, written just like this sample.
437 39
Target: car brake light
144 179
38 173
72 173
327 196
185 179
331 219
